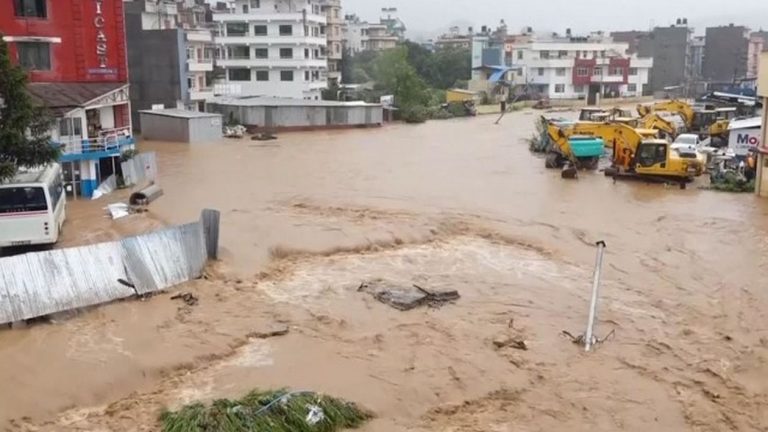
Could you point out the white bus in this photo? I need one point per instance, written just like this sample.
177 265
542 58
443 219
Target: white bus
32 207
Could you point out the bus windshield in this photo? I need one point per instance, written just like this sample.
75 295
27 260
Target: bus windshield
22 199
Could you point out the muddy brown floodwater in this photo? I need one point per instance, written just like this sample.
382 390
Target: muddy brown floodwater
457 204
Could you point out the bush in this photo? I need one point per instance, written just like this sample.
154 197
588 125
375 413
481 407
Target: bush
414 114
274 411
457 109
441 114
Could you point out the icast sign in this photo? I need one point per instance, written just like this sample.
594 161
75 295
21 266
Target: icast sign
101 38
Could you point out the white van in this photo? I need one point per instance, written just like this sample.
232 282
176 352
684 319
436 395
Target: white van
32 207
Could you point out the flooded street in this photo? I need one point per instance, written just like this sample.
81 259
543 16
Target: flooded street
459 205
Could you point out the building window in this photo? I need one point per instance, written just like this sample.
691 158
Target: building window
237 29
633 71
262 75
286 53
544 55
541 71
245 8
616 71
562 54
560 72
559 88
578 89
306 75
582 72
261 53
520 72
306 53
239 52
240 74
34 55
632 88
286 75
260 30
286 30
597 71
70 127
31 8
255 4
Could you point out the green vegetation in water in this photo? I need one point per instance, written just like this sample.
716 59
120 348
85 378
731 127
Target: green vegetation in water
273 411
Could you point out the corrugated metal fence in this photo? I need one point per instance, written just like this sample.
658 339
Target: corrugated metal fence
43 283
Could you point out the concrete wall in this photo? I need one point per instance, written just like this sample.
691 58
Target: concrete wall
302 117
157 63
725 53
164 128
205 129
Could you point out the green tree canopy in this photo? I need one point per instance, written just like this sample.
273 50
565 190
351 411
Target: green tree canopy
395 75
24 127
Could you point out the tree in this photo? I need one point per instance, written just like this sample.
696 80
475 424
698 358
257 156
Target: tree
24 127
395 75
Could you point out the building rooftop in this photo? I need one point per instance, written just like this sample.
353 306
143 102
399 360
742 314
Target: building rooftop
180 113
61 98
272 101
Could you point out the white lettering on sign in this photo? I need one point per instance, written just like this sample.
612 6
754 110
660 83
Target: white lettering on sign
101 38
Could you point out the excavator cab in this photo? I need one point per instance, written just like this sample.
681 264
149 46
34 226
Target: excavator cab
655 159
593 114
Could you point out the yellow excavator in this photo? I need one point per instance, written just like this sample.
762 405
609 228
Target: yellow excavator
637 153
710 123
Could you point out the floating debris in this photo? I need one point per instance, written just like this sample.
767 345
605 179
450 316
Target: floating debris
409 297
188 298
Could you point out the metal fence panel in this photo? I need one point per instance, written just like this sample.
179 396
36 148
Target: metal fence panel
43 283
165 258
139 169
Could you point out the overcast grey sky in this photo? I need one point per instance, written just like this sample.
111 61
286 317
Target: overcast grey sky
424 17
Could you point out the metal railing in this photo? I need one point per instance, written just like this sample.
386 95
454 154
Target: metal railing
106 140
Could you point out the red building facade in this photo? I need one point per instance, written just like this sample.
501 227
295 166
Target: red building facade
74 53
67 40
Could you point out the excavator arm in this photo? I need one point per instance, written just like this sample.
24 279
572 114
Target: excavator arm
674 106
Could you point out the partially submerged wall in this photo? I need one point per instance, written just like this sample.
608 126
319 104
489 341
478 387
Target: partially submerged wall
43 283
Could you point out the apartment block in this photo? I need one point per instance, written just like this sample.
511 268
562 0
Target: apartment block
563 67
334 31
272 48
361 35
726 53
170 54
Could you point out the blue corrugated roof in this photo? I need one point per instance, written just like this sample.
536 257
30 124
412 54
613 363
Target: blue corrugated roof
498 71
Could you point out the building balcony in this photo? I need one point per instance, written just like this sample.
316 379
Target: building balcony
108 143
273 63
607 79
200 65
271 40
268 17
201 94
205 36
319 85
547 63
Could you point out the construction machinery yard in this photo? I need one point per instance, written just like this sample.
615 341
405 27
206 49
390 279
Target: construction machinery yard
668 142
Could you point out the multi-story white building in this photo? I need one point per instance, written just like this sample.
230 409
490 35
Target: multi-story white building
364 36
272 48
570 67
335 34
568 70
